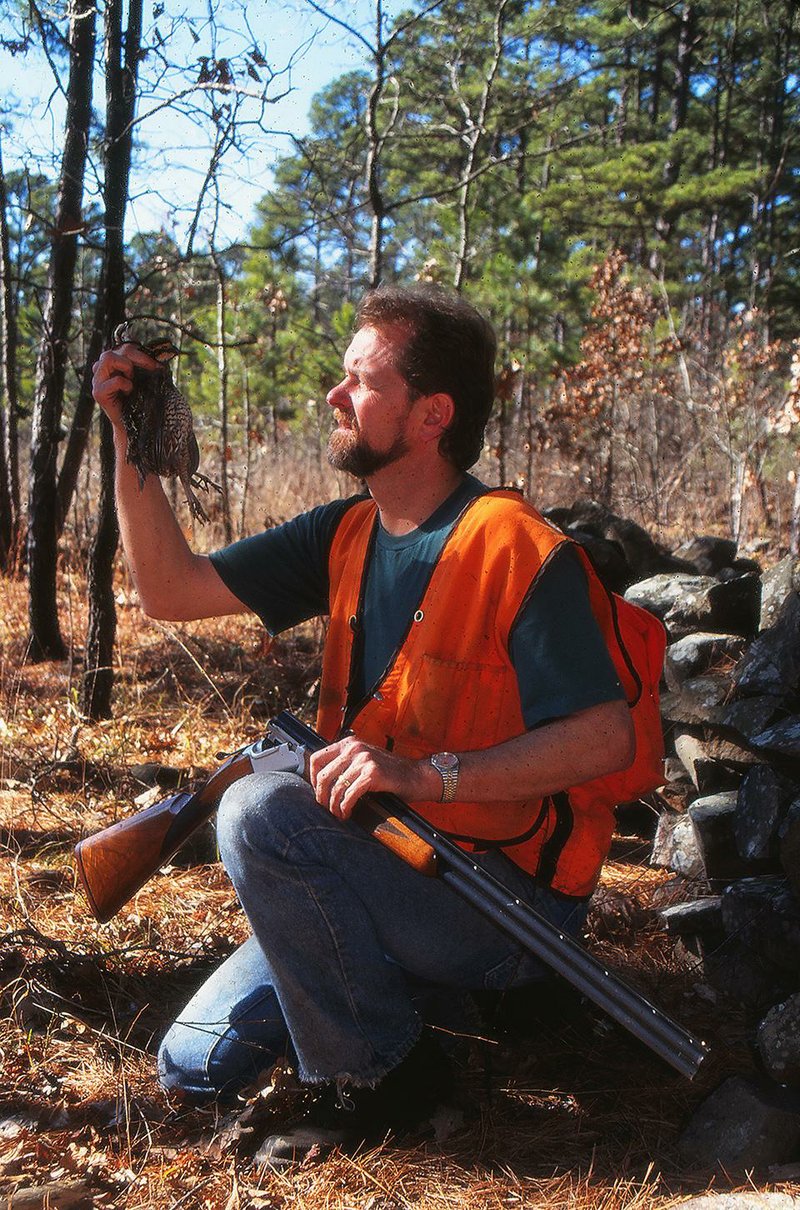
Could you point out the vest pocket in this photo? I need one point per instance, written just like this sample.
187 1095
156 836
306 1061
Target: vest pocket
457 706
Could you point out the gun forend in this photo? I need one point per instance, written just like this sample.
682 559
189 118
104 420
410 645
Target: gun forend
371 813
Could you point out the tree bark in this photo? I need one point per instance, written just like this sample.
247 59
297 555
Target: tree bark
98 679
679 104
222 395
42 545
9 410
81 421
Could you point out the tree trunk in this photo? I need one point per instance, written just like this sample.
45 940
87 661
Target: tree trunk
98 677
474 130
222 396
248 450
81 420
794 529
9 410
679 104
374 148
42 545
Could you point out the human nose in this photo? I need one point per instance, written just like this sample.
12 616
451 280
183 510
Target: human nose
338 396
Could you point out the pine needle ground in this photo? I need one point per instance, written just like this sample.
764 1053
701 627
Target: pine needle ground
560 1109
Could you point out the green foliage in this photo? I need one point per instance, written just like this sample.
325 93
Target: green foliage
514 145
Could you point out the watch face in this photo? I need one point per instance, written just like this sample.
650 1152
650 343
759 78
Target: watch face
445 761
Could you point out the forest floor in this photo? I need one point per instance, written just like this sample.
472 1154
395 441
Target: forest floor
568 1112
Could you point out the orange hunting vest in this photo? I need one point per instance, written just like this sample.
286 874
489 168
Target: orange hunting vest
452 686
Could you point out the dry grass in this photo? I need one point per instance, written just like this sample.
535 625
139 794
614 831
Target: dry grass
572 1115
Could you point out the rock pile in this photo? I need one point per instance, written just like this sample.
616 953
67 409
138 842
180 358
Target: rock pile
731 711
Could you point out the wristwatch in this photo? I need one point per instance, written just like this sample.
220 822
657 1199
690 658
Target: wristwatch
447 765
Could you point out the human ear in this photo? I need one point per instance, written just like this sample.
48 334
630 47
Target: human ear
438 415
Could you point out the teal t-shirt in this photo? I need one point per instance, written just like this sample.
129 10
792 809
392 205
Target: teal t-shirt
558 653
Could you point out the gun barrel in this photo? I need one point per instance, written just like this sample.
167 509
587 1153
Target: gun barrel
558 950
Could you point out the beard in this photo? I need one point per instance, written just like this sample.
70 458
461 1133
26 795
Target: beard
348 451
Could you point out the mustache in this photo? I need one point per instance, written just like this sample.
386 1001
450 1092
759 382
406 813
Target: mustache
345 419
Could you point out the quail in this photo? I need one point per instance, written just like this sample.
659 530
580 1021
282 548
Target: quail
158 423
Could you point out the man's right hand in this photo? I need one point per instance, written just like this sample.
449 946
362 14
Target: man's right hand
112 377
173 583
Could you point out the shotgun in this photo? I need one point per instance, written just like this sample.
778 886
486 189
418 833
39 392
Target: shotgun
117 861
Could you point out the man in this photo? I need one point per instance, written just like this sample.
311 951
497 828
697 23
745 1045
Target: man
464 670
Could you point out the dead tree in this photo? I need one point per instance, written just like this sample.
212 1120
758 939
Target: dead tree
121 59
9 410
42 545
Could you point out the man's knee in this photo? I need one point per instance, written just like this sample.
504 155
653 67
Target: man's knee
182 1064
256 811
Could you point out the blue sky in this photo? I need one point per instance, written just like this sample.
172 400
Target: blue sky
173 154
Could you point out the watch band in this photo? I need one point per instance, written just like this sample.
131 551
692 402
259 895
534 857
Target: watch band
447 765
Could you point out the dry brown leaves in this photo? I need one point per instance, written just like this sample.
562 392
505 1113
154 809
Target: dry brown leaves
572 1115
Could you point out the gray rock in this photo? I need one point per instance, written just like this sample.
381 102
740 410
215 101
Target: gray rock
643 556
700 699
740 973
776 585
741 1127
713 818
750 715
786 1174
660 593
608 558
17 1124
700 918
675 770
707 554
782 738
778 1041
764 798
676 846
687 603
701 760
676 890
789 845
771 664
734 757
740 567
696 653
764 914
166 777
740 1201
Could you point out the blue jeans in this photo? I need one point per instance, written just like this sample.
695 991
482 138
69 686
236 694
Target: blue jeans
344 936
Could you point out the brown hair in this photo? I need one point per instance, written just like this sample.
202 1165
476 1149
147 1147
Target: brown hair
450 347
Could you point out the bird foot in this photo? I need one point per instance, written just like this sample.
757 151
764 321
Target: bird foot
196 509
203 482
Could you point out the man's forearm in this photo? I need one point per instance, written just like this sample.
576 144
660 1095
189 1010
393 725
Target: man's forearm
565 753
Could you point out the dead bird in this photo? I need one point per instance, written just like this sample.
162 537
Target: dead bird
158 422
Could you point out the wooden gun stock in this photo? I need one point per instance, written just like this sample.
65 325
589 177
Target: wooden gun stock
116 862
